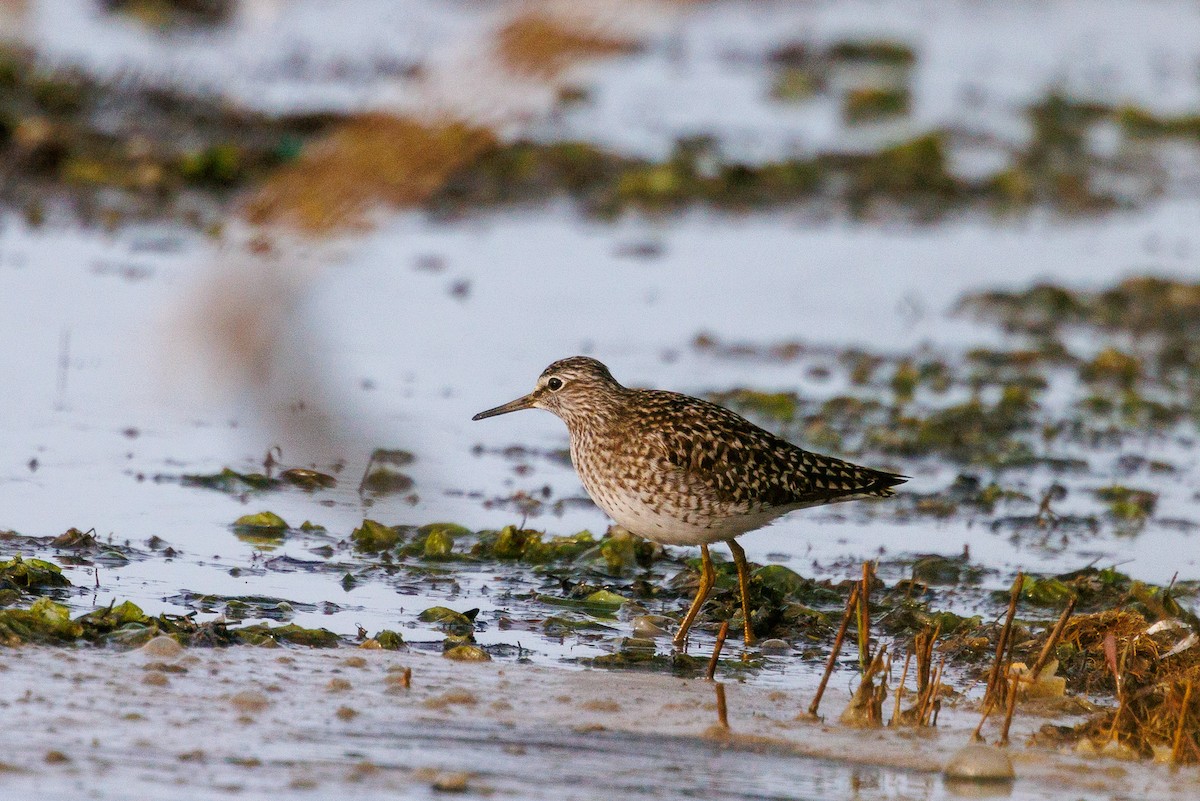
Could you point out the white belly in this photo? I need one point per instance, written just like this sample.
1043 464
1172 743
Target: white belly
686 529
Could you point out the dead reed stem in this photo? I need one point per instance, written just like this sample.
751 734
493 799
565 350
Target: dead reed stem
864 618
987 710
851 604
1013 686
1052 641
997 681
1177 746
900 691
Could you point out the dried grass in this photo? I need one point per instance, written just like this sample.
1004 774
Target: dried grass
1157 715
540 46
370 160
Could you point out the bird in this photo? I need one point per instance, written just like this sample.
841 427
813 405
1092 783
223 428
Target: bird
680 470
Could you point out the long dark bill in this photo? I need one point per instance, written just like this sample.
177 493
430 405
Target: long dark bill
512 406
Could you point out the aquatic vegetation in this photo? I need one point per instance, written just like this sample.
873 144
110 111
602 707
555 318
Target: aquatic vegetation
19 575
167 13
264 529
870 104
227 480
364 162
541 46
374 537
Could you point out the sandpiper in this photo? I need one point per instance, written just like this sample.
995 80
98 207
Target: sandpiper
683 471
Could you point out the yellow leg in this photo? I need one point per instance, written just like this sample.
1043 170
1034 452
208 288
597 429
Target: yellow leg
708 577
743 569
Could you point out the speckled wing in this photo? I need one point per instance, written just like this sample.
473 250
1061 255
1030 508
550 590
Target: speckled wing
747 466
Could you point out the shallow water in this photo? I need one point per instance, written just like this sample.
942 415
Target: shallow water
396 357
137 356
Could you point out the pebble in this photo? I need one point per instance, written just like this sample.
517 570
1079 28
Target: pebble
249 701
775 647
651 626
980 763
467 653
162 647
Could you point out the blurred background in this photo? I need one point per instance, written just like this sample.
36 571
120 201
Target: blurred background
954 239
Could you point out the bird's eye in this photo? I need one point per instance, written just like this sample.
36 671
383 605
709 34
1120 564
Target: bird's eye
555 384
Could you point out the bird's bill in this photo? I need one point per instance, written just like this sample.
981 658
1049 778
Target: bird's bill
512 406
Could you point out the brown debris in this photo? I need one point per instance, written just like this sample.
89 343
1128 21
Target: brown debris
1156 709
541 46
371 160
851 605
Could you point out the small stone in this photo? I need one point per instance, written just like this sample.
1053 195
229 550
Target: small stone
651 626
162 647
467 653
249 701
338 686
775 647
56 758
451 782
346 713
980 763
156 679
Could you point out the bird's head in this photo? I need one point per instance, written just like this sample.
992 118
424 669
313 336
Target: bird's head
575 389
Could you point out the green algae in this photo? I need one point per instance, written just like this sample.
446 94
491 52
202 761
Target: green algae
389 640
871 104
873 51
374 537
307 479
461 624
264 634
1127 503
25 575
230 481
263 529
382 476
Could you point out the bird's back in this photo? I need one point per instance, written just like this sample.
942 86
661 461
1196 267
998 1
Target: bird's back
675 457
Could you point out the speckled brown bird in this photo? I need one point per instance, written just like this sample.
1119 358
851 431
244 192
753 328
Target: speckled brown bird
683 471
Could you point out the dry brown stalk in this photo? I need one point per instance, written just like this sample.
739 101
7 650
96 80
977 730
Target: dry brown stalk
1177 745
851 604
1118 668
900 691
716 654
987 710
1052 640
1013 686
369 160
864 618
542 46
997 681
930 700
722 709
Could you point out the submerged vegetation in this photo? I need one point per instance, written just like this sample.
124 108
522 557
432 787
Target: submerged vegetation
187 156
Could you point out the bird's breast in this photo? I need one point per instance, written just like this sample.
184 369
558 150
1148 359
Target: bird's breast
653 499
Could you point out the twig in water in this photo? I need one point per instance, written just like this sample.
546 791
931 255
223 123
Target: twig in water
997 681
931 698
987 710
900 691
851 604
864 619
1052 641
716 654
1013 686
